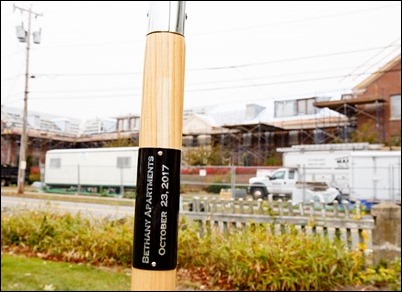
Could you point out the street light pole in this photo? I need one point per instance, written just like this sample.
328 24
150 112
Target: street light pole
24 136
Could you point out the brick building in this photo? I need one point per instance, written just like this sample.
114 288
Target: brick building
374 106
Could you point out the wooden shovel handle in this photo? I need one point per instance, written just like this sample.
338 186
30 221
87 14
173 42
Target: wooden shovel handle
161 124
163 89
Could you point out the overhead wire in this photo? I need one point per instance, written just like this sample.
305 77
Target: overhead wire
33 97
196 83
374 56
326 16
90 74
231 67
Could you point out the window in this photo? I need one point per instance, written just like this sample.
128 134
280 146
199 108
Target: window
293 137
123 162
285 108
319 136
247 139
188 141
305 106
125 125
278 175
55 162
396 106
310 106
204 140
289 108
279 109
301 107
269 138
291 174
132 123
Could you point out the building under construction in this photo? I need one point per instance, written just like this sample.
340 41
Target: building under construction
251 135
246 135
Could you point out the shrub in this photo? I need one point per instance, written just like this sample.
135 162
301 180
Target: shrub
33 177
68 237
215 188
381 274
251 258
254 259
34 174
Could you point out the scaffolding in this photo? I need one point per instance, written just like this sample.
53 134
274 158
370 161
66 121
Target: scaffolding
46 134
358 110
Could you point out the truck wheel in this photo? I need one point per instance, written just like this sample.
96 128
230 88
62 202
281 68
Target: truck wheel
258 193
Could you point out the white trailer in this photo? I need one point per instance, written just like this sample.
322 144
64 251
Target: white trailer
375 176
113 168
329 163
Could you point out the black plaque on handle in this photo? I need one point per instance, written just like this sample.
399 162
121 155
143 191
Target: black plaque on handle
157 209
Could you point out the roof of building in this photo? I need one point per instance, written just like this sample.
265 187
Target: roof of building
354 99
13 117
217 119
380 72
243 116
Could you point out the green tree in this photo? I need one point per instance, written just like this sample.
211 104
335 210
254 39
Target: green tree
366 133
121 142
206 155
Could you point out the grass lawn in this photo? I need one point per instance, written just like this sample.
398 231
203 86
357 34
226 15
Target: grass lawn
19 273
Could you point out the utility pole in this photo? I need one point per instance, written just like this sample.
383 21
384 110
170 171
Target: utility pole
25 37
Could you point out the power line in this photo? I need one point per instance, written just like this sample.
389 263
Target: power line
372 57
331 15
193 84
91 74
88 97
11 54
289 81
380 61
268 76
291 59
55 75
86 90
279 97
286 22
218 88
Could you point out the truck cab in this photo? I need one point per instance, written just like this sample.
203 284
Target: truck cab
9 175
281 182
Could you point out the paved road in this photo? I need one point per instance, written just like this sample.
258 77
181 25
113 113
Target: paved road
88 209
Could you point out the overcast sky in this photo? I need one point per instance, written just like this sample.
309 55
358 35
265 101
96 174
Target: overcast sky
90 61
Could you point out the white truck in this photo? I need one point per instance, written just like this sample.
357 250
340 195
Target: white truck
92 169
289 182
333 171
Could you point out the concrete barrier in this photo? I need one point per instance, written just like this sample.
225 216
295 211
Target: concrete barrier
387 231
